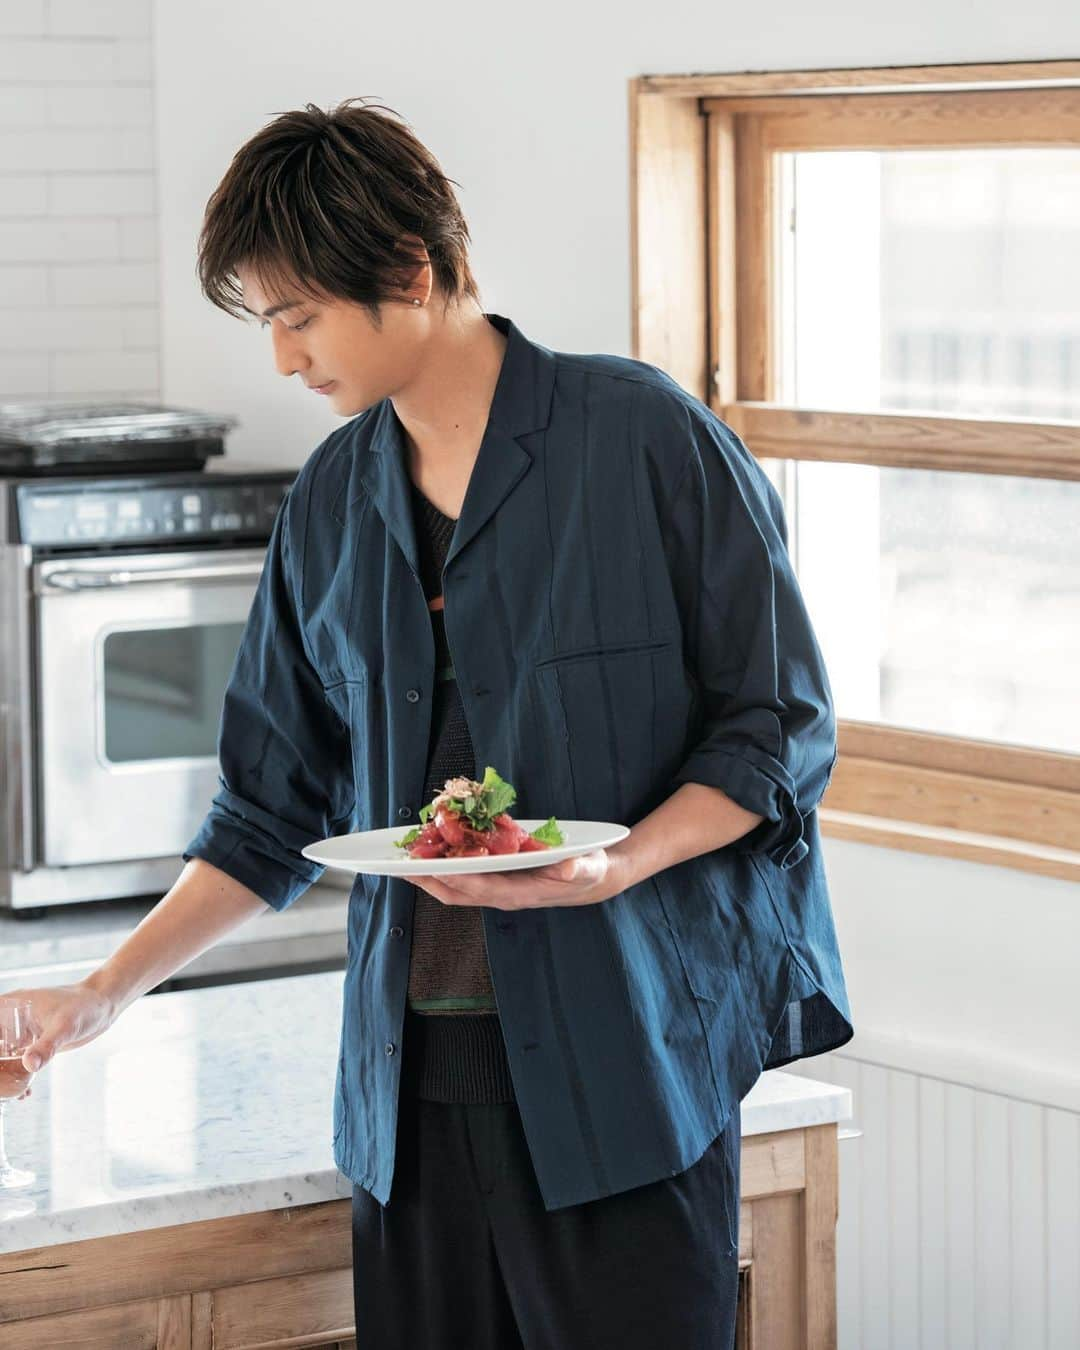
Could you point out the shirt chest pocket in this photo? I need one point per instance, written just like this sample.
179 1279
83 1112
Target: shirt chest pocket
344 587
352 701
612 719
344 625
605 652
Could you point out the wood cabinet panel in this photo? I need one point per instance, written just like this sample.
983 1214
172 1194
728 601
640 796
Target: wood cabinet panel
149 1324
283 1277
277 1312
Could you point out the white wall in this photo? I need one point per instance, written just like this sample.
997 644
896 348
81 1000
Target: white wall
78 223
527 111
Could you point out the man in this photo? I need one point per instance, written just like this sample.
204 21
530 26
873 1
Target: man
567 568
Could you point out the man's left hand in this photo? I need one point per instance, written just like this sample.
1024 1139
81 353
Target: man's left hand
584 879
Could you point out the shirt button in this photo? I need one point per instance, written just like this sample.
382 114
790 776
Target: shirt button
404 812
389 1047
413 695
396 931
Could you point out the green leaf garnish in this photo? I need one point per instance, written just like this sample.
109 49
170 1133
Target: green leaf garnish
498 795
493 797
549 833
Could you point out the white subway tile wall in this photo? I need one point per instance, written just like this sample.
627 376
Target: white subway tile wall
79 314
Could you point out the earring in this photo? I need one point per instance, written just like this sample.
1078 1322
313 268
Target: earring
415 301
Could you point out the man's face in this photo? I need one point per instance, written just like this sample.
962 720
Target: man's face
334 342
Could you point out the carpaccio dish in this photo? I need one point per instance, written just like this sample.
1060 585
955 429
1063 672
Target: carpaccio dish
468 819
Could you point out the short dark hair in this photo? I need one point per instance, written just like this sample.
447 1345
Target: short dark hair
320 201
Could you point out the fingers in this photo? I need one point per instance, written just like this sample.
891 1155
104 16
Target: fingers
39 1052
64 1018
566 870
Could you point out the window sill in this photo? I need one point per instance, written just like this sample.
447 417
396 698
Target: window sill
996 850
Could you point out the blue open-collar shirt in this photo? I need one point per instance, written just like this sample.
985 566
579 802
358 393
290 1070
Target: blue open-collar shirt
623 617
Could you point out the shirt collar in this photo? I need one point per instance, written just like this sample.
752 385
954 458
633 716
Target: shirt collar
520 404
522 399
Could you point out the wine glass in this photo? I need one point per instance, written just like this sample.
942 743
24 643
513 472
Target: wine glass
18 1030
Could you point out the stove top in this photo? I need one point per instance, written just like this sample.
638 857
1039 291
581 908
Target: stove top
66 437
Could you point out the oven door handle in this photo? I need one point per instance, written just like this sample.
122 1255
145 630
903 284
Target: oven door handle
74 579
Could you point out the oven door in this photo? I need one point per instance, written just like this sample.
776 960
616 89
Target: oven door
133 656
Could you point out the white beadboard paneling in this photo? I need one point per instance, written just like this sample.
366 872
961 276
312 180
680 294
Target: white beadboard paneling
100 194
982 1067
100 18
110 283
1062 1139
876 1286
960 1216
21 285
104 370
993 1246
119 150
932 1254
23 194
959 1221
846 1072
58 61
22 18
903 1208
1027 1227
98 105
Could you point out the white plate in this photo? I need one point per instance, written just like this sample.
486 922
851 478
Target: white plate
373 851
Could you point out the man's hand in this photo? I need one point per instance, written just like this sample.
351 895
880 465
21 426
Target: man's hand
584 879
695 819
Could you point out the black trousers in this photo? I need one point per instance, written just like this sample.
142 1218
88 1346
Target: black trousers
466 1257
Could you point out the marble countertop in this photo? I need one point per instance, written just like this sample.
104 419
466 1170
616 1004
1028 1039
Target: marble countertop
208 1102
67 941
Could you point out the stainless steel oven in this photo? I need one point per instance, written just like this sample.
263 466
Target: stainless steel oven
133 655
123 603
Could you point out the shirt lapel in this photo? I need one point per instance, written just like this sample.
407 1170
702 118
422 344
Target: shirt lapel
521 404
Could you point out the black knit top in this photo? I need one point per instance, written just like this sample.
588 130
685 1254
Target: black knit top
453 1049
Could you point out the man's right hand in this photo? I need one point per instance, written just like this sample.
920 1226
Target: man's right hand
201 907
67 1015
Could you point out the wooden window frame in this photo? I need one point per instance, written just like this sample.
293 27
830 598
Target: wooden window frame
703 292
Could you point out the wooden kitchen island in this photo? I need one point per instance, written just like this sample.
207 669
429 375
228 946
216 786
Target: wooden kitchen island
187 1195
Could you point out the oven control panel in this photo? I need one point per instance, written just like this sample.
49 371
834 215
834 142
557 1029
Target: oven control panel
195 507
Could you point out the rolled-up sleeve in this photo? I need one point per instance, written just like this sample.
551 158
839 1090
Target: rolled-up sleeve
768 730
284 753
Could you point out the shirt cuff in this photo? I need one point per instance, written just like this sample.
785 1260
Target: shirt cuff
757 782
255 848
